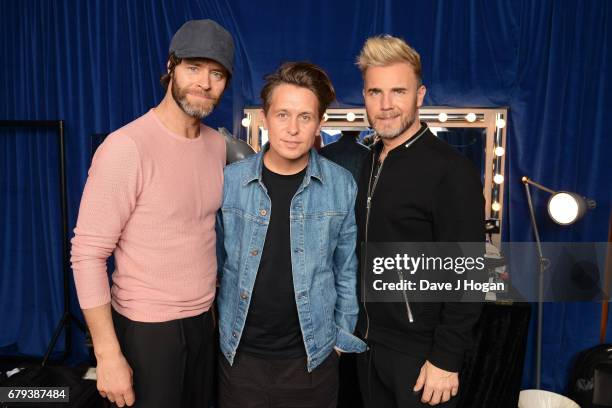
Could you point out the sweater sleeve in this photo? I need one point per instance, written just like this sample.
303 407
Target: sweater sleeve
458 217
109 198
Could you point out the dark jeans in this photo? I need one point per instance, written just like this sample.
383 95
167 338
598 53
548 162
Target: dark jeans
173 362
387 377
254 382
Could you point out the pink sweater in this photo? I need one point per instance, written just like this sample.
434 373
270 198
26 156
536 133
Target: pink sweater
151 197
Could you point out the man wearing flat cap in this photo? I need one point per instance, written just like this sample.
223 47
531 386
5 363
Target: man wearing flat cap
153 190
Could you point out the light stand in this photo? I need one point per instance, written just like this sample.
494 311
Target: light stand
564 209
67 317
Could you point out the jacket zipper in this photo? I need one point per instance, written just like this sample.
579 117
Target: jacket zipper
368 208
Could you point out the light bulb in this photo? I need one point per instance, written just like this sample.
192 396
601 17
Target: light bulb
246 122
470 117
350 116
325 117
498 179
563 208
500 151
442 117
495 206
500 123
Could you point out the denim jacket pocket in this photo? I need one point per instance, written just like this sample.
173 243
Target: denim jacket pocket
348 342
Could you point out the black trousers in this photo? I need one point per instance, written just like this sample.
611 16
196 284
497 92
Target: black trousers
173 362
387 378
257 383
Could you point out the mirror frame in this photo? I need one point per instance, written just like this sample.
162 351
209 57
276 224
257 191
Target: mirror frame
493 120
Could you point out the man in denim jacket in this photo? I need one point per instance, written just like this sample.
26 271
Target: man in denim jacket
287 298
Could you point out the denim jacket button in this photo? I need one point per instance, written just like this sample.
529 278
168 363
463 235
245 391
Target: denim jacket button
254 252
234 334
243 295
263 212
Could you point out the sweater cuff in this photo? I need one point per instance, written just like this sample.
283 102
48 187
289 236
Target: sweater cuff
446 360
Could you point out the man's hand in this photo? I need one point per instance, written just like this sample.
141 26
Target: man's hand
113 371
115 379
438 385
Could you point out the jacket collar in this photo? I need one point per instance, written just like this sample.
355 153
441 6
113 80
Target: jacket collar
255 168
377 148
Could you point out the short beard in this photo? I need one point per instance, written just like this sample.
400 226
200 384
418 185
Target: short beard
404 126
180 97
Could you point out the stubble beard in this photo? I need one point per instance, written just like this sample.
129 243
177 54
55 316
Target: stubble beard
391 134
180 97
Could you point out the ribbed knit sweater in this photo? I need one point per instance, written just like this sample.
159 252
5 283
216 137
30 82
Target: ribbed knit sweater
151 198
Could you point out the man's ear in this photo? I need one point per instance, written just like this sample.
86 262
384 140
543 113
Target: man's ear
318 131
262 116
421 95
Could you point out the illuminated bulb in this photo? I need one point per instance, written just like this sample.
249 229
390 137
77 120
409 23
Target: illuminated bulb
498 179
500 123
470 117
246 122
495 206
350 116
325 117
564 208
442 117
499 151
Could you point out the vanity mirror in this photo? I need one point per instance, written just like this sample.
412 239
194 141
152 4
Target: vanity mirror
479 133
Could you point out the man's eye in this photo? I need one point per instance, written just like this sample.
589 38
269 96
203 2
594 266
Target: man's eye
305 118
282 115
217 75
192 69
400 91
373 92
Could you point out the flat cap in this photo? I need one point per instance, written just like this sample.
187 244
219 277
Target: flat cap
204 39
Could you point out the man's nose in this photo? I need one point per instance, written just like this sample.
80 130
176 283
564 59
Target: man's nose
293 126
386 103
204 81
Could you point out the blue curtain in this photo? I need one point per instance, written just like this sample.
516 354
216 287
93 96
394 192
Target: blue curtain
96 64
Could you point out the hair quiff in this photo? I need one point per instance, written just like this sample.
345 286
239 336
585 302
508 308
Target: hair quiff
386 50
304 75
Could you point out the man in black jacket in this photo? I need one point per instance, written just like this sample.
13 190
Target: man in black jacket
413 188
347 152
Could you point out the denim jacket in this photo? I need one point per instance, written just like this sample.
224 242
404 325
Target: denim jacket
324 265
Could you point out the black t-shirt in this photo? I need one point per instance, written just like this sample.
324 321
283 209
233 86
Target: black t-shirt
272 329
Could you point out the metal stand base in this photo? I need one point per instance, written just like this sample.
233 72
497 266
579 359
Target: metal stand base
65 322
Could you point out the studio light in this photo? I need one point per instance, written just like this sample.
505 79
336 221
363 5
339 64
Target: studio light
566 208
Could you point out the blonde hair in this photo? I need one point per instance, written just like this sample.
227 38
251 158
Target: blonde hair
385 50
